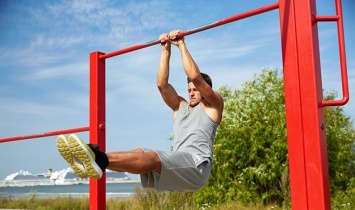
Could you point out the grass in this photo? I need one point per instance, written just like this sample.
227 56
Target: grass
150 200
141 200
61 203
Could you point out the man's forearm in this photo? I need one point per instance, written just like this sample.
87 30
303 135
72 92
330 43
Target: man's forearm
190 67
163 69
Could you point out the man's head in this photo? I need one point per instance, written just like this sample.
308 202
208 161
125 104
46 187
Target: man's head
194 95
205 77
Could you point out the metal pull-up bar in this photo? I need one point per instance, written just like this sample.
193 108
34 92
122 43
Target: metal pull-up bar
46 134
195 30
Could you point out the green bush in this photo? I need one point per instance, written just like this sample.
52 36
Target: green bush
250 150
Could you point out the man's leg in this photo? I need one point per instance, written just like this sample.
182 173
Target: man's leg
94 161
135 162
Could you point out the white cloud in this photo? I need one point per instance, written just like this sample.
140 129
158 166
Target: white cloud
40 109
42 41
60 71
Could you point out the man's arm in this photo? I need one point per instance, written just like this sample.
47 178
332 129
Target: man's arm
167 91
213 98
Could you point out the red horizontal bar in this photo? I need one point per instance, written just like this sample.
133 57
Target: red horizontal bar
51 133
192 31
327 18
340 102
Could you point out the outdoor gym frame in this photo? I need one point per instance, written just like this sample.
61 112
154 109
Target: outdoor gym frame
304 102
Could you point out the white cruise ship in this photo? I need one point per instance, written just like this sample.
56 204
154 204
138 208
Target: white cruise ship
62 177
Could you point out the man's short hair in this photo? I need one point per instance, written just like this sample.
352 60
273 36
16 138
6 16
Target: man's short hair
205 77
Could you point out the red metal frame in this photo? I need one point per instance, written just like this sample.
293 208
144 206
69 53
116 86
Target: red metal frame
97 124
341 42
303 99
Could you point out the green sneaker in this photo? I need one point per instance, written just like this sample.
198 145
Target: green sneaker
94 161
66 153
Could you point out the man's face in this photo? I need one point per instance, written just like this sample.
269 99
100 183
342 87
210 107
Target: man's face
194 95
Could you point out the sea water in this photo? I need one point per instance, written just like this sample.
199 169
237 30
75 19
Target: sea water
120 190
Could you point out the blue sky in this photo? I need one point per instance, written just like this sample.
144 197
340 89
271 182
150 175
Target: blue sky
45 47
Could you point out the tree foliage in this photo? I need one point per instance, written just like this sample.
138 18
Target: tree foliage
250 151
341 146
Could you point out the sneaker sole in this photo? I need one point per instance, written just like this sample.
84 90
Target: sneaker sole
85 155
66 153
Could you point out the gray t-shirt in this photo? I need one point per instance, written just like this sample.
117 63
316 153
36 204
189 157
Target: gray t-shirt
194 132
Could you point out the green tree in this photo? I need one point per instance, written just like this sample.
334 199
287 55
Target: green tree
250 152
340 143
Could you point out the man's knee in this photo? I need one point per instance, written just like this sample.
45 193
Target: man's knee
138 150
155 159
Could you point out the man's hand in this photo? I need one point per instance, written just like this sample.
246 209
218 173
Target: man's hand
165 41
173 38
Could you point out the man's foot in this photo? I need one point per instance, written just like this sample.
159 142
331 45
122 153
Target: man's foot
66 153
94 161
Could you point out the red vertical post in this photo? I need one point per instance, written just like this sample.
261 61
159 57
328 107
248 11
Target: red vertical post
97 124
304 113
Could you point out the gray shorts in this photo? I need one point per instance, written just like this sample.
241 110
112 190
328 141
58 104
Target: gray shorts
180 171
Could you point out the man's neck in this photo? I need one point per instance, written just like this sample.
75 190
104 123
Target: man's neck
193 106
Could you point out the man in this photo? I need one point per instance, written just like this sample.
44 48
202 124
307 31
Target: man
188 166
